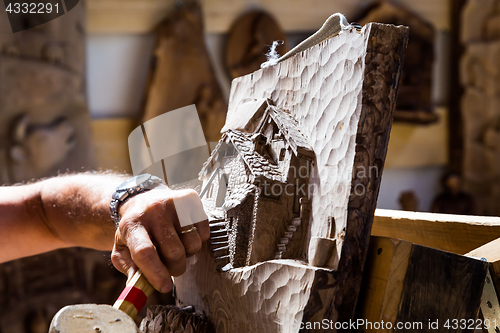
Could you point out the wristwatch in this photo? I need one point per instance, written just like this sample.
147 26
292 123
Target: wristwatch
128 189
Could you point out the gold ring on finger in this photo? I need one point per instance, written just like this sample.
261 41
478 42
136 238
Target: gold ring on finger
189 230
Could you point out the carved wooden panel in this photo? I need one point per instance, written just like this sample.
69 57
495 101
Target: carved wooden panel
44 123
342 94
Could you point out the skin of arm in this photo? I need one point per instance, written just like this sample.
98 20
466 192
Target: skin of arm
73 210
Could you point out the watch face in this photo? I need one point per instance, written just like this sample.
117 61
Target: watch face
134 182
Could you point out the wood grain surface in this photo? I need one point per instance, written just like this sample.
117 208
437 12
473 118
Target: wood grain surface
453 233
419 288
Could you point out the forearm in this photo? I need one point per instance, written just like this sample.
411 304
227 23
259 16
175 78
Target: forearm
77 208
73 210
59 212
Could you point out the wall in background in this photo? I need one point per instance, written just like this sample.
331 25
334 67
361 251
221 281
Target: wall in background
424 181
117 71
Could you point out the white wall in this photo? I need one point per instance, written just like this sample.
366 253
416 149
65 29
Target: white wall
117 70
423 181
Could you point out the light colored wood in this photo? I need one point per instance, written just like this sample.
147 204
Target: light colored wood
139 281
131 16
84 318
490 251
110 137
323 250
402 282
454 233
341 94
249 299
383 280
336 85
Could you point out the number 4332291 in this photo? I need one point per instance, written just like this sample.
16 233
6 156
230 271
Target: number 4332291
32 8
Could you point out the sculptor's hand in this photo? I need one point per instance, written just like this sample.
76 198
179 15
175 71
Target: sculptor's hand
148 236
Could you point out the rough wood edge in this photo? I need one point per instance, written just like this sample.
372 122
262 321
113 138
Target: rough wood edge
453 233
373 136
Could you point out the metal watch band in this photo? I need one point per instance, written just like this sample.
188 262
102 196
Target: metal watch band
124 192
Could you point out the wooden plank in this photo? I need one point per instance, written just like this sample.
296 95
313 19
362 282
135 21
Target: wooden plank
441 286
489 307
413 285
453 233
490 252
110 137
383 280
131 16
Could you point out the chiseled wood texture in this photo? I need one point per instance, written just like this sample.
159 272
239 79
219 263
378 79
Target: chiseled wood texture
441 286
409 283
453 233
344 107
342 93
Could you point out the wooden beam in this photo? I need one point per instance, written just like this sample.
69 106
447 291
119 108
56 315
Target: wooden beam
453 233
417 286
490 252
131 16
383 280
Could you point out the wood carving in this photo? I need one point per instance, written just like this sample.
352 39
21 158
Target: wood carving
415 91
328 108
44 123
258 191
171 319
479 126
408 283
182 73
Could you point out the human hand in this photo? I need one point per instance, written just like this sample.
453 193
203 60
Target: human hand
149 235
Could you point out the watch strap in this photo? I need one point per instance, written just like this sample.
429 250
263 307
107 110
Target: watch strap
122 194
